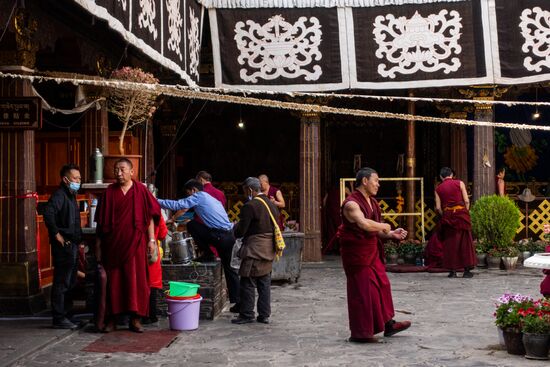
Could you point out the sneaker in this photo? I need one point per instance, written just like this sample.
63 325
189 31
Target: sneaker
393 327
242 320
64 324
262 319
236 308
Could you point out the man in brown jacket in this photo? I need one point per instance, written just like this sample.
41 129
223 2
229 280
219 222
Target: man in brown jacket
257 253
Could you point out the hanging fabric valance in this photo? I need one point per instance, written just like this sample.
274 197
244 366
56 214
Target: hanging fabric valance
378 45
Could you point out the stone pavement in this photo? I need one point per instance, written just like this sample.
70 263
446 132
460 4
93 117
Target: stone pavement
452 326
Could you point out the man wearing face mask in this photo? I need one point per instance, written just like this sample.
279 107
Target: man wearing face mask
216 229
62 218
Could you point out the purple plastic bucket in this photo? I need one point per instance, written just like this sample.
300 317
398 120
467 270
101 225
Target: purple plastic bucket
184 314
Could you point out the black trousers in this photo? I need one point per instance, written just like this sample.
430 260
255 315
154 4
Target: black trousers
248 287
64 279
153 303
223 241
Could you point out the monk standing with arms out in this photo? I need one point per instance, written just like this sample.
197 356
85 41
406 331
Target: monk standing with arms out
126 217
455 226
370 304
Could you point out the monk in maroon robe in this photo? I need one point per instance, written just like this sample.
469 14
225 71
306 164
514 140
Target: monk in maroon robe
455 227
370 304
126 216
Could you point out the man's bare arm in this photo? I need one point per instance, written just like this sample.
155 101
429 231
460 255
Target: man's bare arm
353 213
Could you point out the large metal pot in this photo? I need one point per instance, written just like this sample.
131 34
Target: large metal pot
182 250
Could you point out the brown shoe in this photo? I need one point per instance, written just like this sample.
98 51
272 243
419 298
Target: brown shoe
109 327
135 325
393 327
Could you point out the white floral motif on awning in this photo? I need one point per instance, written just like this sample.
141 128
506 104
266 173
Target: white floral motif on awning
419 43
279 48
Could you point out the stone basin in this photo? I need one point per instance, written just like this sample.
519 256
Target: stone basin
538 261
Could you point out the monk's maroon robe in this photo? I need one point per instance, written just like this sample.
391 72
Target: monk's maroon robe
370 303
433 254
455 227
122 222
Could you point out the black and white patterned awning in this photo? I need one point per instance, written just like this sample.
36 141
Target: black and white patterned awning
168 31
316 45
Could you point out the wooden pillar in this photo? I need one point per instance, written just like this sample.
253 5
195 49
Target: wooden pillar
458 144
484 154
94 134
310 185
484 140
410 196
20 291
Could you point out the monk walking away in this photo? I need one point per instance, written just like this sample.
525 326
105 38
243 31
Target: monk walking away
126 217
455 226
370 303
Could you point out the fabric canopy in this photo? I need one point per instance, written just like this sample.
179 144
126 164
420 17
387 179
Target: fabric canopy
322 45
168 31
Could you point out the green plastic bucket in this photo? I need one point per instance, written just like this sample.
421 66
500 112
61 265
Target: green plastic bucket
183 289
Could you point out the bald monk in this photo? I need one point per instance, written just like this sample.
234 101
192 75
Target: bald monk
455 226
370 304
126 217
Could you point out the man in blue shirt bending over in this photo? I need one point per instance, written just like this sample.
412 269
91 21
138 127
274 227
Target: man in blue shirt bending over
216 230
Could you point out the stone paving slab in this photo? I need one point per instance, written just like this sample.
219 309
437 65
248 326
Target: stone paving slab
452 326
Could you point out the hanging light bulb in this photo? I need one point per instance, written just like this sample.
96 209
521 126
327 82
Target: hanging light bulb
240 123
536 115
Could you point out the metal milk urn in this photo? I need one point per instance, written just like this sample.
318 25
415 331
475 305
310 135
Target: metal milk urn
97 166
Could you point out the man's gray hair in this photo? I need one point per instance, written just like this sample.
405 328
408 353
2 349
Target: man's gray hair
253 183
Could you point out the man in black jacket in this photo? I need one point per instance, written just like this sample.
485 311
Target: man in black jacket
62 218
256 226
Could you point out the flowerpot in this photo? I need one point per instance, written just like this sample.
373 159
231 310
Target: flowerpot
526 255
514 342
481 260
392 259
493 262
536 345
510 263
410 259
109 166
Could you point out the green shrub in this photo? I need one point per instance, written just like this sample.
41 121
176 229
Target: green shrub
410 247
495 220
390 248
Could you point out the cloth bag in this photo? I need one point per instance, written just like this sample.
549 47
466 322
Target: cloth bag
235 258
277 234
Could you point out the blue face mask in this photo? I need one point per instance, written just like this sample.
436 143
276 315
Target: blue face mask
74 186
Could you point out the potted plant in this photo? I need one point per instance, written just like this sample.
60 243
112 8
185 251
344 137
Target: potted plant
390 249
132 107
481 253
524 248
536 330
509 319
510 256
494 258
409 250
495 220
